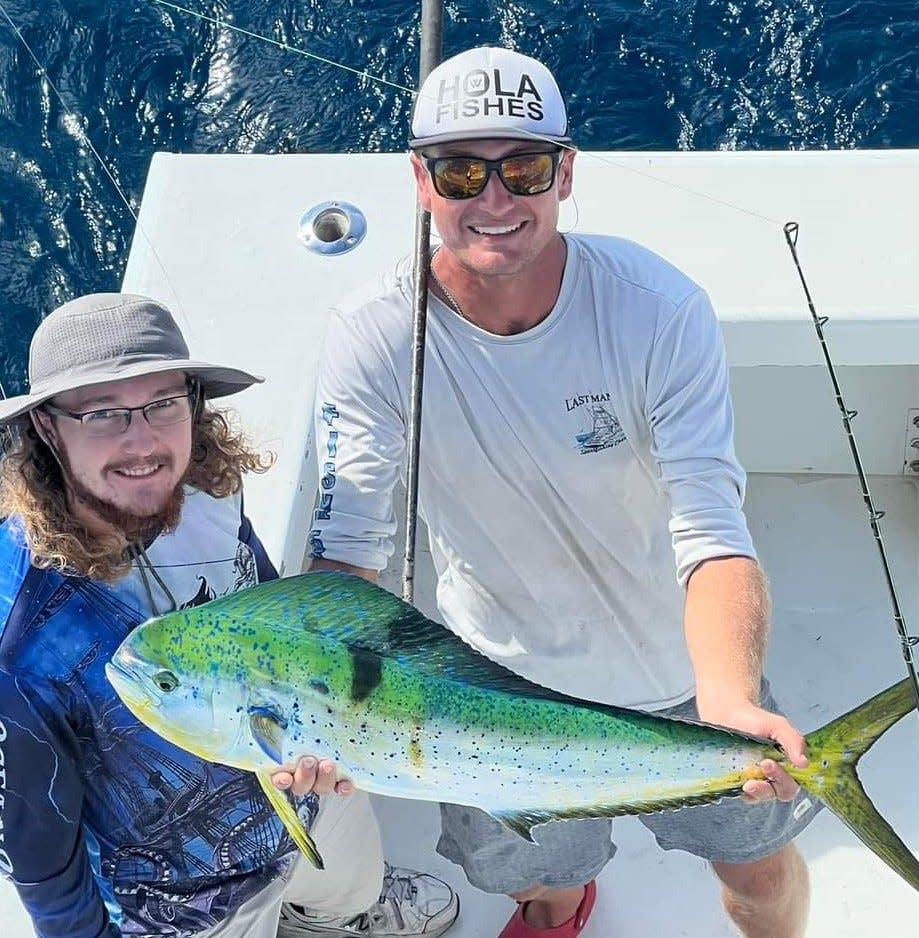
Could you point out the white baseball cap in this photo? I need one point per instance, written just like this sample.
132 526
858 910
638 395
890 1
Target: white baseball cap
488 92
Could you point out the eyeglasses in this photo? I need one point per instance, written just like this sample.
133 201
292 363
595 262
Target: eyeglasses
465 177
113 421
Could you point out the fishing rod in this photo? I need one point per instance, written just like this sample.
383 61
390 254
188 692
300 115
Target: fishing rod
429 58
907 641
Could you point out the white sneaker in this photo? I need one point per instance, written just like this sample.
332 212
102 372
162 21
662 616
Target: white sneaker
410 904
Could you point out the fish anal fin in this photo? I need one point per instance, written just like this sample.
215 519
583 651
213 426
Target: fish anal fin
291 820
522 822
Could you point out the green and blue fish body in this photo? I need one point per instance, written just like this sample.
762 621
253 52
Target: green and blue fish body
327 663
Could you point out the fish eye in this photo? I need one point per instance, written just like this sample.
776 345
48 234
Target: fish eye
166 681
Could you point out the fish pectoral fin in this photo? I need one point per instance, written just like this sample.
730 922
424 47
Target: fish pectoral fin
291 820
268 731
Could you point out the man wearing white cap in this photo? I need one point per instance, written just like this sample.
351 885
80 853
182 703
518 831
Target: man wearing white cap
576 436
121 490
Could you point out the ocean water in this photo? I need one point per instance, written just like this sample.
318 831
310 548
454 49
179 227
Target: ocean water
112 81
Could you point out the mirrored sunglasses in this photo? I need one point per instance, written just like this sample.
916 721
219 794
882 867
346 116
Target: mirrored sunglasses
465 177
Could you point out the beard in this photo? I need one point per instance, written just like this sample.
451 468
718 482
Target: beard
136 528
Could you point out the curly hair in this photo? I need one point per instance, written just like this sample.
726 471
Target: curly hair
32 489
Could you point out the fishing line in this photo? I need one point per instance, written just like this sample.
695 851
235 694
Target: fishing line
907 641
85 138
284 46
70 113
361 73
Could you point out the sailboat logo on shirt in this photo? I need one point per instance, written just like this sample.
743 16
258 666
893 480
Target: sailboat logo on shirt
604 430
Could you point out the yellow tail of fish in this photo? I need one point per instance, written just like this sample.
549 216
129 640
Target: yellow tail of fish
834 751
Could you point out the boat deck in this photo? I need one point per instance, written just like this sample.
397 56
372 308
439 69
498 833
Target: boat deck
217 242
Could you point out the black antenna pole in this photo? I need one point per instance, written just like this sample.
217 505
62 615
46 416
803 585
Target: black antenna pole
430 55
907 641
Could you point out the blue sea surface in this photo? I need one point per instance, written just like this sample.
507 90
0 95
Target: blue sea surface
136 76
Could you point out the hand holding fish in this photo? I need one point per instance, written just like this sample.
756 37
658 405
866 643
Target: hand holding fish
311 774
755 721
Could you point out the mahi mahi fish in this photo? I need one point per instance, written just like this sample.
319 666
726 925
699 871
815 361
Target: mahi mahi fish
331 664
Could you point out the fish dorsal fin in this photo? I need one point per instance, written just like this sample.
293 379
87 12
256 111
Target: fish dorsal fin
377 626
373 622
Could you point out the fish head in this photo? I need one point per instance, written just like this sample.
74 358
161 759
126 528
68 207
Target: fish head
184 689
251 679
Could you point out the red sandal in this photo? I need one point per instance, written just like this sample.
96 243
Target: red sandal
518 928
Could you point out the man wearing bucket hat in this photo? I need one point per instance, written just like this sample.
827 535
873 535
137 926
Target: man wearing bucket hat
576 436
121 489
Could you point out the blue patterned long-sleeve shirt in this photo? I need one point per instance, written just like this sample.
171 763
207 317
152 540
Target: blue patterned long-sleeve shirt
105 828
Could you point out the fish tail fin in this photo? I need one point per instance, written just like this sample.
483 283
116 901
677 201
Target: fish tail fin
281 803
834 751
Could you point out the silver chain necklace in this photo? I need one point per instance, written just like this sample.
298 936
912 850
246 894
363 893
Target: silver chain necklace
451 299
